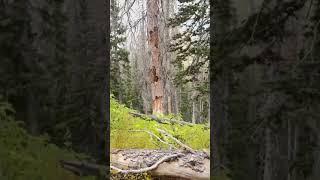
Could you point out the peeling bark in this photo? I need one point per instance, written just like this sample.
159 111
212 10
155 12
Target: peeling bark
163 163
171 164
156 80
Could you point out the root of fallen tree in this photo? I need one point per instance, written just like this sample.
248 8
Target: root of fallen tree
180 164
169 163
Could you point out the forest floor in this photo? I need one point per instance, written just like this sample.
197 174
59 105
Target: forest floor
157 145
23 156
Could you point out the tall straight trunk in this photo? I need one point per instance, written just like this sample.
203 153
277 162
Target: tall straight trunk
169 104
166 55
316 165
31 113
295 151
155 70
200 111
193 112
289 148
180 100
253 78
267 174
176 96
269 150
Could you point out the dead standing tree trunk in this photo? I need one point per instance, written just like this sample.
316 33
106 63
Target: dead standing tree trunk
155 71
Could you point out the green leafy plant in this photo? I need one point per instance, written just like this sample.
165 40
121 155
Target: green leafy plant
26 157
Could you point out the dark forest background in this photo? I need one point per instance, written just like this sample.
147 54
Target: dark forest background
264 73
265 89
53 75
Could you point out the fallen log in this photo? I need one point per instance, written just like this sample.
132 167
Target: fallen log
159 163
163 120
84 168
162 163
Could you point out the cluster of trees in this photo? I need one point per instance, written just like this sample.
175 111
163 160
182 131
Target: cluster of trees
163 66
191 48
53 69
264 73
265 97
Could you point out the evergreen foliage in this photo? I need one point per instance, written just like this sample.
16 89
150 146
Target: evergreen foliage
55 86
192 44
265 84
28 157
120 69
191 47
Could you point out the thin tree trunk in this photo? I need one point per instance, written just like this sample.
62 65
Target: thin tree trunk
169 105
176 102
31 113
193 112
267 174
295 151
143 66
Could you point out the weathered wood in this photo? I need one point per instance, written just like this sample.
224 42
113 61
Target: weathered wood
154 166
163 120
156 68
184 164
176 140
159 163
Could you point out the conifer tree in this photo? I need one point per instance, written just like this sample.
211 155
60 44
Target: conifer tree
120 66
191 46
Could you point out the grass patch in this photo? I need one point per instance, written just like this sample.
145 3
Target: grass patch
122 137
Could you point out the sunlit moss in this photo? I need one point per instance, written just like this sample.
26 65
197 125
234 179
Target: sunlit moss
125 136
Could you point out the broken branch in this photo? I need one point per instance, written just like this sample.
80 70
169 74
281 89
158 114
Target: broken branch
154 166
152 134
163 120
176 140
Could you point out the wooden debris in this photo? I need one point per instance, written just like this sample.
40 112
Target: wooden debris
163 120
169 163
179 142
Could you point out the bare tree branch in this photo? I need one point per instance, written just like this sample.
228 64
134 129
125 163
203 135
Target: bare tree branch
179 142
154 166
152 134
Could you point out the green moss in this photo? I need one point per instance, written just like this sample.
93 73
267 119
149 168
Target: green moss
122 136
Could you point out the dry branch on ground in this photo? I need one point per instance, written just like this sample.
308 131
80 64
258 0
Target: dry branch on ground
159 163
169 163
163 120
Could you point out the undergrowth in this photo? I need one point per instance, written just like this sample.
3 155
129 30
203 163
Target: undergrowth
26 157
124 135
126 131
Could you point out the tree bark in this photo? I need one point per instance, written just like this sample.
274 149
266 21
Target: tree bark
173 164
267 174
155 70
194 112
159 163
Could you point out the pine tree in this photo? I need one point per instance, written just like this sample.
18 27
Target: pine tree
120 65
270 91
191 46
